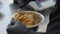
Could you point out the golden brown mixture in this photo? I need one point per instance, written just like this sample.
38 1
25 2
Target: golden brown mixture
25 18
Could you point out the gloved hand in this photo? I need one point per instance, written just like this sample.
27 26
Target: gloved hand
15 27
28 31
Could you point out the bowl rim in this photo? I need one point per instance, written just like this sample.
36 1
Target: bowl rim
40 15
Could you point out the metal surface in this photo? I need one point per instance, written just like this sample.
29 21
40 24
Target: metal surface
9 9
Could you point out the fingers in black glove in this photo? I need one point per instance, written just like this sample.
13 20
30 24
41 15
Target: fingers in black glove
16 27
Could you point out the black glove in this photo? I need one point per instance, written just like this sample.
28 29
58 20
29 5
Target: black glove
29 31
15 28
56 10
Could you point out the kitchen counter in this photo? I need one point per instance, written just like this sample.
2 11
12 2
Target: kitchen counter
8 9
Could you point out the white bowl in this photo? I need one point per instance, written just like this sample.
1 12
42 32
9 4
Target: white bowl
37 13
